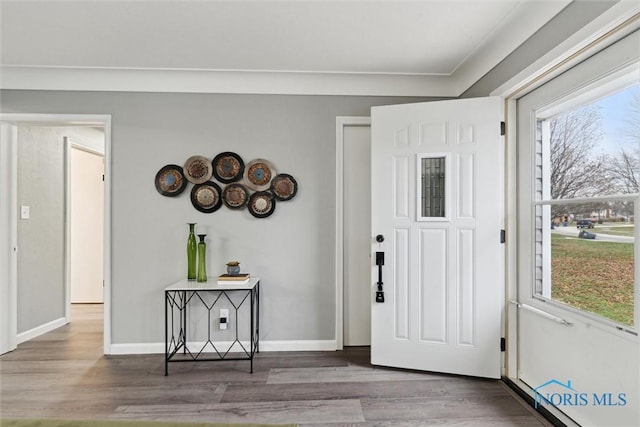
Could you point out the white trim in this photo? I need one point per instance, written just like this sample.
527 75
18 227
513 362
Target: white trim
40 330
511 250
618 21
223 81
75 120
8 235
67 228
302 345
265 346
341 123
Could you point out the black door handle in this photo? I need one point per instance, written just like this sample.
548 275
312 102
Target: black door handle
379 263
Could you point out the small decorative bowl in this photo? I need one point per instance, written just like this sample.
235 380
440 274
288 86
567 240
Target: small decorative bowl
233 268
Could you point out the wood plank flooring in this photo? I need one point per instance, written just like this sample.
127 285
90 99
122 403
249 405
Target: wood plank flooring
64 375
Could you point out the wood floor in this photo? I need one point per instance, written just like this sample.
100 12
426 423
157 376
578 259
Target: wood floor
64 374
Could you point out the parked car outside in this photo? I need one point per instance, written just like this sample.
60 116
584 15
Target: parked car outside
584 223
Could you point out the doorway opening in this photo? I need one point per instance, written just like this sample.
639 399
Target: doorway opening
353 232
38 196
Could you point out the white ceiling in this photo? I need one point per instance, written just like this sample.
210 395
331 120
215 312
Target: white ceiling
326 47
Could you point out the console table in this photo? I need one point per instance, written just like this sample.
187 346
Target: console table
185 296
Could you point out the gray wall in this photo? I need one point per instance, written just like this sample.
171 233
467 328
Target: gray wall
571 19
41 186
292 251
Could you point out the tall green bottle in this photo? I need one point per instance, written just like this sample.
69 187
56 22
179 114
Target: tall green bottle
202 259
191 252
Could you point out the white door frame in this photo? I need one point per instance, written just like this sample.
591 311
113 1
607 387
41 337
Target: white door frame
341 123
9 238
9 197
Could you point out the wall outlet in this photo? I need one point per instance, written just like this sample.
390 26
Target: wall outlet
224 318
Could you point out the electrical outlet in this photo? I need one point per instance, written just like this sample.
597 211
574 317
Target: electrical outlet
224 318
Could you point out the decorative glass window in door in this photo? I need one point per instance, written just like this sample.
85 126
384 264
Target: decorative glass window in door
432 187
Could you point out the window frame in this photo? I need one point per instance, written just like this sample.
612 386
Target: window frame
601 87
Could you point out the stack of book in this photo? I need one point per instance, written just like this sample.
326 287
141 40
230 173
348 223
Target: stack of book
235 279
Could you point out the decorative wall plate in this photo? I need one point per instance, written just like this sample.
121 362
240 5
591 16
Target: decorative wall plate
228 167
284 187
206 197
262 204
235 196
258 174
170 181
198 169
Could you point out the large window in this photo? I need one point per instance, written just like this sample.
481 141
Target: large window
587 181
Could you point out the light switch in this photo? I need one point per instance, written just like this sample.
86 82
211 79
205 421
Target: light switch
24 212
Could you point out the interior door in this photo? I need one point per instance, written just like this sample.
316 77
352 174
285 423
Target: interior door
87 206
437 212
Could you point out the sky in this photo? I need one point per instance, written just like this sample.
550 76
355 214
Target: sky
616 112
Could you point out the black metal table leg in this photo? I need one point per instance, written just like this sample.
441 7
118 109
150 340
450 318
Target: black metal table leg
183 313
166 333
257 288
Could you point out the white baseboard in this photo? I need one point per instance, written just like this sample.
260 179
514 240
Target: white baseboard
305 345
158 348
40 330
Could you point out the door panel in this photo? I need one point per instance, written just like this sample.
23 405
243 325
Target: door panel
437 199
87 206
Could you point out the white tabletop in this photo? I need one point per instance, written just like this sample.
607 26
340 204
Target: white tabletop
211 285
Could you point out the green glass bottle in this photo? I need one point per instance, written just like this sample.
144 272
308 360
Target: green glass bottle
202 259
191 253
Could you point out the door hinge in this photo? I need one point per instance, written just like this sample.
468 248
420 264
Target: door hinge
503 344
503 236
502 128
103 177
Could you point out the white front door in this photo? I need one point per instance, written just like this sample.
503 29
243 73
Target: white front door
437 203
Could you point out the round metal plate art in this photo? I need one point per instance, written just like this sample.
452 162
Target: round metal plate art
284 187
258 174
228 167
206 197
170 181
198 169
262 204
235 196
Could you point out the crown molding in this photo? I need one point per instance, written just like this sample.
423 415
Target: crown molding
223 81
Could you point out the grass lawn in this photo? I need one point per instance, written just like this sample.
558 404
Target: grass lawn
593 276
